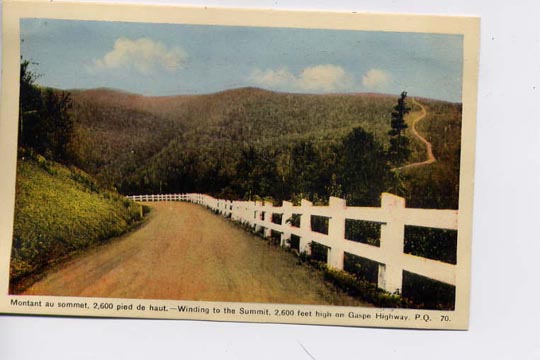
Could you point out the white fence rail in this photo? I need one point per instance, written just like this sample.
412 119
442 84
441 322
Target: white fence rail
393 216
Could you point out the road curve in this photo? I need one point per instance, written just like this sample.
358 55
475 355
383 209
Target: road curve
429 148
185 252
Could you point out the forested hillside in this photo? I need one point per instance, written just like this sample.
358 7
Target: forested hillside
248 143
437 183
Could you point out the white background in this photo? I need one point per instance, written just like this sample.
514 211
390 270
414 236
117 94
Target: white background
506 246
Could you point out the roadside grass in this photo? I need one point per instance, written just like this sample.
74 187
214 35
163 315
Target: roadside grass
59 211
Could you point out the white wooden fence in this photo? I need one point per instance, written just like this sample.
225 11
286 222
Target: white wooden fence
392 215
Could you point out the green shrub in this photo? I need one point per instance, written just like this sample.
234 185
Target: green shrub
275 238
319 224
362 268
436 244
295 242
319 252
353 284
428 293
363 289
367 232
294 220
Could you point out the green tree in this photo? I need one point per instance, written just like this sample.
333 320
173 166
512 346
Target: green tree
399 151
29 105
245 172
45 124
305 177
362 170
256 174
56 125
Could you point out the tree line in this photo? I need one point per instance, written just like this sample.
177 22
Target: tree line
45 124
356 167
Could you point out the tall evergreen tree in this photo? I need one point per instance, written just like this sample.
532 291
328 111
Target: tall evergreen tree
399 151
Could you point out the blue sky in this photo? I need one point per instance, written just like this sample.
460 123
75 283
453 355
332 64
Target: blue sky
166 59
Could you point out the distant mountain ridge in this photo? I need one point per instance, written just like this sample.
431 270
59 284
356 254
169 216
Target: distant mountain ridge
248 115
137 142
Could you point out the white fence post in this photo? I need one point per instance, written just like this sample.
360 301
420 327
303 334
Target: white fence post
268 212
336 232
305 226
392 242
258 218
286 215
235 210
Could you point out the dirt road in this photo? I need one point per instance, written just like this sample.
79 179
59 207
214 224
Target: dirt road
186 252
429 149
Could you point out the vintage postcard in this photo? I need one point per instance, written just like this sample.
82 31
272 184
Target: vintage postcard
237 165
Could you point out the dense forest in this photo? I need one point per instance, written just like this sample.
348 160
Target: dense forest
251 143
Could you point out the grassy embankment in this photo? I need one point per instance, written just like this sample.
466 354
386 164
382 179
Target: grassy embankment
60 211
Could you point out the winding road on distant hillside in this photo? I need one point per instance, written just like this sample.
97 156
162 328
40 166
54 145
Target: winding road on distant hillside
429 148
185 252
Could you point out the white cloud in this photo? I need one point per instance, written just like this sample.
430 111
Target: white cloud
376 79
315 78
144 55
272 78
323 77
